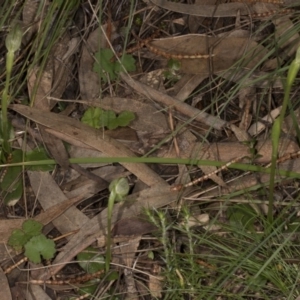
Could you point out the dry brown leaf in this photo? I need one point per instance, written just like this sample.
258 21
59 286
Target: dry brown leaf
132 206
148 119
31 17
220 10
288 126
226 50
49 193
287 35
90 187
54 145
257 127
88 79
228 151
195 22
45 217
132 227
126 251
52 81
172 102
73 129
7 226
251 180
186 85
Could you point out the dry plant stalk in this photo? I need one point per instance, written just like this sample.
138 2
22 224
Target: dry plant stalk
179 187
272 12
75 280
159 52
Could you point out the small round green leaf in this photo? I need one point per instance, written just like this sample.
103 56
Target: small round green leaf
32 227
39 246
92 116
125 117
18 239
90 261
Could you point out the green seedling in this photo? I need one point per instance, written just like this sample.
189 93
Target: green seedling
12 43
171 73
31 239
119 188
99 118
108 68
276 129
10 189
91 262
242 216
11 184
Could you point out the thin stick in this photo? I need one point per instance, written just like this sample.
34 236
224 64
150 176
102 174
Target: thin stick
205 177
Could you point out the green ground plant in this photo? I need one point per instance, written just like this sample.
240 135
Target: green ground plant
109 68
119 189
249 255
33 241
100 118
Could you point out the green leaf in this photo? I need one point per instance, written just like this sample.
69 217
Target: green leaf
13 173
32 227
39 246
90 261
89 287
106 66
114 275
127 62
92 116
174 64
151 255
97 118
242 215
125 117
14 194
107 118
18 239
37 155
113 124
